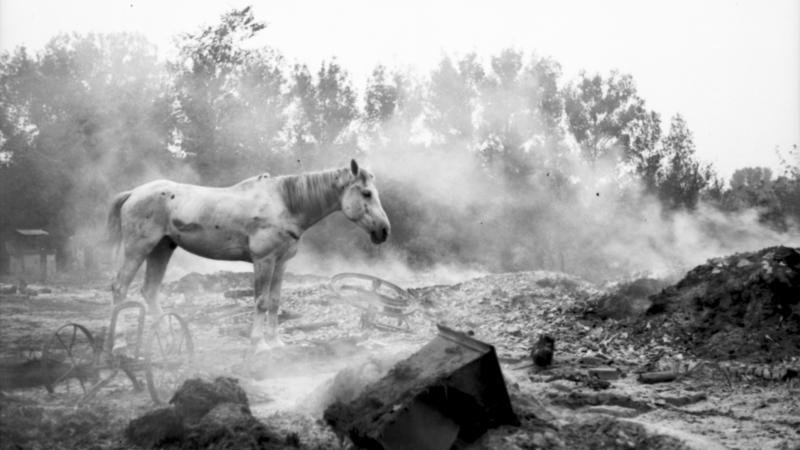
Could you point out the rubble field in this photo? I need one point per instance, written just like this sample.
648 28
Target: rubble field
708 360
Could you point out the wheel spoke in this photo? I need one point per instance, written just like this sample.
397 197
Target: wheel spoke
68 351
170 351
62 343
72 341
180 342
158 338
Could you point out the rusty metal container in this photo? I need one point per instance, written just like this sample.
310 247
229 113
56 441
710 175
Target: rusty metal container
451 390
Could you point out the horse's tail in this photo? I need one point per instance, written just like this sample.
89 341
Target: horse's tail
114 224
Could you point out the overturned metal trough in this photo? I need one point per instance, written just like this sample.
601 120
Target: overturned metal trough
451 390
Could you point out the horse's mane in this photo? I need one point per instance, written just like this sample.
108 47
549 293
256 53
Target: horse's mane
312 194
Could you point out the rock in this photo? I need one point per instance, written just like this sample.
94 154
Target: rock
744 262
683 400
605 373
612 410
197 397
156 428
564 385
657 377
597 384
8 289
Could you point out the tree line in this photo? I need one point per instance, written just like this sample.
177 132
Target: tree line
93 114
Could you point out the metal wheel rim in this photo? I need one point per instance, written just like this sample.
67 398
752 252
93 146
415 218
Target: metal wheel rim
76 365
170 355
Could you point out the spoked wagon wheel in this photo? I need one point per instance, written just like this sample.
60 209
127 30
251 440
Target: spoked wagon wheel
170 355
384 305
70 353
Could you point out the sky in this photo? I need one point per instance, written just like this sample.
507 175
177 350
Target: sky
731 68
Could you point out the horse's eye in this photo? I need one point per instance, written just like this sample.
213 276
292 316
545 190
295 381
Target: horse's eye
366 194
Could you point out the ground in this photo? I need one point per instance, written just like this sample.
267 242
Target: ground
712 403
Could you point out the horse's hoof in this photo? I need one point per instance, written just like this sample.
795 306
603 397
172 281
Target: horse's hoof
264 345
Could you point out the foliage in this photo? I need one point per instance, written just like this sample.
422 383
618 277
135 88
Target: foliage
607 115
327 105
683 177
91 115
83 117
229 102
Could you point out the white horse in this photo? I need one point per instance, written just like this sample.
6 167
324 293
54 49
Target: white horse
259 220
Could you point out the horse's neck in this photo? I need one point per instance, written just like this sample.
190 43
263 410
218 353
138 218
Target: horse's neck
313 196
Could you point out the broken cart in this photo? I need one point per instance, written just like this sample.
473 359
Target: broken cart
164 355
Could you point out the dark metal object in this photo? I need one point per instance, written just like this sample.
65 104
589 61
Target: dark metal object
384 305
451 390
542 351
72 352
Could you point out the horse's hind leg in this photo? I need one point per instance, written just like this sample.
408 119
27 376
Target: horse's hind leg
119 287
157 261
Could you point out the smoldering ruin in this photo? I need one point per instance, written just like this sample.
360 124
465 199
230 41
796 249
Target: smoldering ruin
563 270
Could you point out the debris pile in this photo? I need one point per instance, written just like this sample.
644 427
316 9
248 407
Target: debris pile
206 415
745 307
506 308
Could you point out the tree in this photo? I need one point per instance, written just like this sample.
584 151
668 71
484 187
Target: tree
683 178
608 114
229 100
327 109
82 122
381 97
451 97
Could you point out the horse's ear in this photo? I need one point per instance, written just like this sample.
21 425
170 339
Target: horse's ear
354 167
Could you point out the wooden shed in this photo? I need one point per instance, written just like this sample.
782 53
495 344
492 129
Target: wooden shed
31 254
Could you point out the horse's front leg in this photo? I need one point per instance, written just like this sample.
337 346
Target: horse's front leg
273 305
263 270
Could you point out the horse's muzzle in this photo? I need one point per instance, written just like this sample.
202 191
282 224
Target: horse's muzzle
379 236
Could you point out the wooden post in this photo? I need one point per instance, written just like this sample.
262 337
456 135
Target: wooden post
43 264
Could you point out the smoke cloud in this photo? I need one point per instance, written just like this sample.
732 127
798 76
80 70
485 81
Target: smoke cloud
475 170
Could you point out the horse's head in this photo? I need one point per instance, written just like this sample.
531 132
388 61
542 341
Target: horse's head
361 204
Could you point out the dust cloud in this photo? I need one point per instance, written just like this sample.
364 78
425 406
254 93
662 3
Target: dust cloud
510 191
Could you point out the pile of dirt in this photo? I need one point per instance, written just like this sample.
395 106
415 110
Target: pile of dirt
745 306
206 415
25 424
